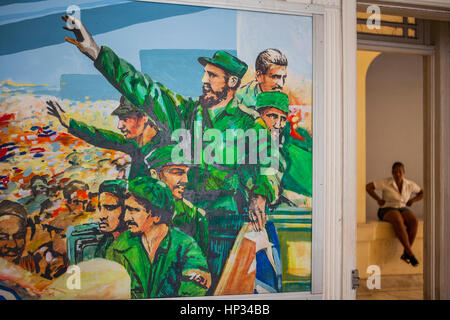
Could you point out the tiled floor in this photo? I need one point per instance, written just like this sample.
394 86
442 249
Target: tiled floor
392 295
407 287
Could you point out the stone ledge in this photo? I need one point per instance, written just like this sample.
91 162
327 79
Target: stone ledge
395 282
378 245
378 230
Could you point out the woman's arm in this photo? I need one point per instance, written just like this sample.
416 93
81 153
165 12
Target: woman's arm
370 188
418 197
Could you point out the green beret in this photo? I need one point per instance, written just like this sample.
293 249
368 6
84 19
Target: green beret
154 191
116 187
162 157
274 99
226 61
125 107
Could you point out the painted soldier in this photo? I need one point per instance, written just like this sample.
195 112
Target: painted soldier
162 261
139 134
273 109
231 192
187 217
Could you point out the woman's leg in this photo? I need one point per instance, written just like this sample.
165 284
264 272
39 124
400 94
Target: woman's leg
397 221
412 223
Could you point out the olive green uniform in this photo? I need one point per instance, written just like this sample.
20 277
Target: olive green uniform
114 141
222 190
179 268
192 220
296 155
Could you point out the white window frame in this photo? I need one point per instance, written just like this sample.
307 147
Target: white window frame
437 134
334 135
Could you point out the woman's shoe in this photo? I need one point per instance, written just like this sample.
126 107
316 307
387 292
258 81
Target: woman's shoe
413 261
406 258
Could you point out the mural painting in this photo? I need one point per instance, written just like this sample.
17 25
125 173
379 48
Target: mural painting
153 150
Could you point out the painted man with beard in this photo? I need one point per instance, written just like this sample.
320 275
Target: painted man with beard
273 109
230 192
139 134
295 173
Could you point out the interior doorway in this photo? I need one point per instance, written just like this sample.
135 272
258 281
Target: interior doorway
391 129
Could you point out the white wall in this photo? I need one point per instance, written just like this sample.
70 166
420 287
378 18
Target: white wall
394 121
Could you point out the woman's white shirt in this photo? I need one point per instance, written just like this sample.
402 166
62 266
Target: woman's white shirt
393 198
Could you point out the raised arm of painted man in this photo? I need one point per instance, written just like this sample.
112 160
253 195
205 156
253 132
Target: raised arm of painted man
152 98
98 137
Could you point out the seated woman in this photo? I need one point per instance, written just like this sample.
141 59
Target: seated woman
393 207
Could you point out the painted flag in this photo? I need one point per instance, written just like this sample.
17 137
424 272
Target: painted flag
268 262
254 263
7 150
4 180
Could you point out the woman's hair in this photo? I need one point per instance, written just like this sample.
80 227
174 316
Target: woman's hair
398 164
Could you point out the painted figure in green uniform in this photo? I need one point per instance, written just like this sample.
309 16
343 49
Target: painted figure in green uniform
162 261
271 75
273 108
187 217
139 134
91 240
220 189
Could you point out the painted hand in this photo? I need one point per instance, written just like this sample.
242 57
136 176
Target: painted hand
409 203
52 109
381 202
257 212
84 41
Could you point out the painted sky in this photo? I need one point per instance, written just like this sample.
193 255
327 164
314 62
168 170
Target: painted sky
291 34
39 54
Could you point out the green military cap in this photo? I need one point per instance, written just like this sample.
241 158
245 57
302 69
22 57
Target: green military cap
226 61
162 157
116 187
154 191
125 107
274 99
